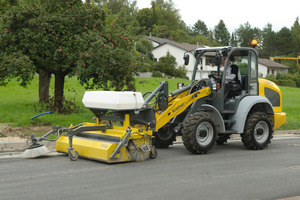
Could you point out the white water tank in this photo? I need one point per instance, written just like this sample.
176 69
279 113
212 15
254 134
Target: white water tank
113 100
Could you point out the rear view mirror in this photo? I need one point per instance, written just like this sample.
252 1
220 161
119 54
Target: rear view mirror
218 59
186 59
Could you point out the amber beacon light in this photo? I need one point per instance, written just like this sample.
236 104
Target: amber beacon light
254 43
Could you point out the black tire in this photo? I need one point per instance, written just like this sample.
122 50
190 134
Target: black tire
222 138
199 133
258 131
164 137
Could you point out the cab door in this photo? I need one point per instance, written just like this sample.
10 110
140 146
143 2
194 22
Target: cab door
253 73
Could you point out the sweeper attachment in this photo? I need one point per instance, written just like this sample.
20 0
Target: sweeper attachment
122 132
37 149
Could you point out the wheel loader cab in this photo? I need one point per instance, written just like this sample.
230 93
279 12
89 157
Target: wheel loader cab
229 94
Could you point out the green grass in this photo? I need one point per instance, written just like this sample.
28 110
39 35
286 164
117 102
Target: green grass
291 106
16 103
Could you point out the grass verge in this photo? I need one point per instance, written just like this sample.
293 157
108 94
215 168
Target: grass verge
16 103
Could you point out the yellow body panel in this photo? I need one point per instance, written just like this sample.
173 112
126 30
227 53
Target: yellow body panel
279 117
93 149
101 150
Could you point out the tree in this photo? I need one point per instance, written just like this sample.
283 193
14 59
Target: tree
233 40
269 42
162 20
125 10
65 38
222 35
201 40
145 47
246 34
6 4
200 28
285 44
146 20
167 64
296 35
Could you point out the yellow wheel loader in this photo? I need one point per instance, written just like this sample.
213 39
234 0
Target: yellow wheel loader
251 106
204 112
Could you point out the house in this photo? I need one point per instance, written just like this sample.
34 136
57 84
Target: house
176 49
269 67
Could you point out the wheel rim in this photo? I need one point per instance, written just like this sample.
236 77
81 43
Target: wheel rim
261 132
204 133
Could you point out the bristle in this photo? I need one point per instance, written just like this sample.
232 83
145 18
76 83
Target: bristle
137 155
35 152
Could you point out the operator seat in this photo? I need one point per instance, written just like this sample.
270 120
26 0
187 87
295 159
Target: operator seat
234 88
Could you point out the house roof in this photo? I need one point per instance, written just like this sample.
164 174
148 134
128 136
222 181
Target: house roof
158 40
189 47
270 63
184 46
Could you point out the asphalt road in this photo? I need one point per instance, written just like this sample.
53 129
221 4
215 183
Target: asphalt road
228 172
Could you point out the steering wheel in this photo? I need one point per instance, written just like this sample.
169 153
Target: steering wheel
217 78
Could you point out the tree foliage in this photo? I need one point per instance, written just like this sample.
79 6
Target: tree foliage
65 38
269 42
200 28
296 34
161 20
168 65
285 45
222 35
245 34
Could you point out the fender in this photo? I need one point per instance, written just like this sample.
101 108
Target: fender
215 114
245 106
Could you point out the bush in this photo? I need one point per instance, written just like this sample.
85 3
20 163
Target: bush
288 83
290 80
156 74
167 65
181 72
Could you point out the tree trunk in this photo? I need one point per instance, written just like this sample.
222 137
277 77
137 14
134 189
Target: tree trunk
59 92
44 82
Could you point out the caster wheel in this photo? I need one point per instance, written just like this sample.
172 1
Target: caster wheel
73 155
153 153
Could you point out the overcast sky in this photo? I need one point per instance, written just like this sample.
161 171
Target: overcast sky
280 13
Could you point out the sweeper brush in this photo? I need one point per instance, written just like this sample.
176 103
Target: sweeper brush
36 149
123 130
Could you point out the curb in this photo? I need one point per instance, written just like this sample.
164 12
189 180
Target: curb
15 149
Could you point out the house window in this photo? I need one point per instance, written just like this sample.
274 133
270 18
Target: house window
209 61
155 59
273 72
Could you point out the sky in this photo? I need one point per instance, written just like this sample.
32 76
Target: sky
280 13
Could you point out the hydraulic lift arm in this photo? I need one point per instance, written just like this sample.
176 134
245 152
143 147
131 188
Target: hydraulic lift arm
178 106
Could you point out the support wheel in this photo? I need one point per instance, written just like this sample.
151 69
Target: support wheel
153 153
73 155
164 137
258 131
199 133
